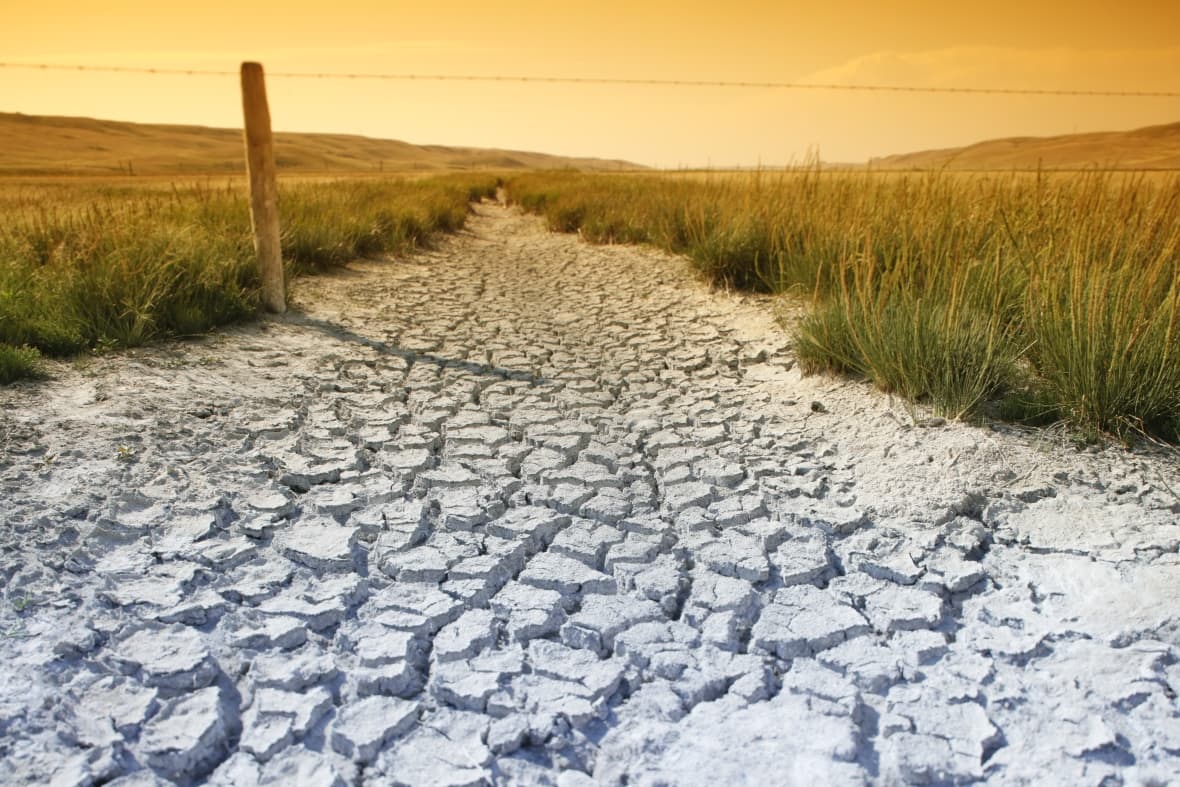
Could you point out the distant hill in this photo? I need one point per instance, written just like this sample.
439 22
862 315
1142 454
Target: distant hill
1153 147
42 145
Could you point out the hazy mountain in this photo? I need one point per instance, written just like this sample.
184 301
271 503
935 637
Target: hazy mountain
1153 147
43 145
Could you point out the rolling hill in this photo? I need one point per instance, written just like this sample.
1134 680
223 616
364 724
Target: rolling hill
45 145
1153 147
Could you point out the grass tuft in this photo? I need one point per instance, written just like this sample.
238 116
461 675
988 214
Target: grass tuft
18 363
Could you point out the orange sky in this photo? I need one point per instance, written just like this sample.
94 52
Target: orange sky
1081 44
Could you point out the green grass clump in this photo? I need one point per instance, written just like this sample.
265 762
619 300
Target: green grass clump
1106 344
116 265
18 363
122 273
1034 296
954 353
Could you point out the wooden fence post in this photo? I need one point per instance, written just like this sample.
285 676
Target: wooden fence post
264 192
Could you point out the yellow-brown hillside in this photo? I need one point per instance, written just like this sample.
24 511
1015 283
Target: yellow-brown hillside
45 145
1153 147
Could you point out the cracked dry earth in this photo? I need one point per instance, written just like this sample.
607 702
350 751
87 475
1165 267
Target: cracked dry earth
522 510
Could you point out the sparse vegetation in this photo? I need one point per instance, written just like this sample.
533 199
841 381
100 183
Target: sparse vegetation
17 363
103 266
1033 296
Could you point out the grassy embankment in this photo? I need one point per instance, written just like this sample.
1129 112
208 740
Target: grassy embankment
1033 297
93 265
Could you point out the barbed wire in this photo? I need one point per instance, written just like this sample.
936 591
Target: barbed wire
611 81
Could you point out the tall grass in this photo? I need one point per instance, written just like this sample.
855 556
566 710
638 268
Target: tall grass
17 363
961 291
86 266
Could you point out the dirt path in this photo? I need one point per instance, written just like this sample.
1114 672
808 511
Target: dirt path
521 510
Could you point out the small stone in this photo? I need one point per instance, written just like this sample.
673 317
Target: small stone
533 525
529 612
301 709
174 657
363 728
800 562
474 630
77 643
450 755
321 545
317 616
419 564
197 610
273 502
293 672
412 606
460 686
378 646
897 566
896 608
635 551
585 543
264 736
920 646
662 583
602 618
305 768
240 768
254 583
953 572
715 593
271 633
506 735
804 620
188 737
569 498
96 766
124 703
398 678
609 505
565 575
228 554
687 495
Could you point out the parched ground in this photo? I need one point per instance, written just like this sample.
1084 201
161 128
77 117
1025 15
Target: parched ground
522 510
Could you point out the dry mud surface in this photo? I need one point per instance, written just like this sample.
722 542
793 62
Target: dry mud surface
522 510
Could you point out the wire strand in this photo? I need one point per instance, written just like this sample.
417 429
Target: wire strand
612 81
